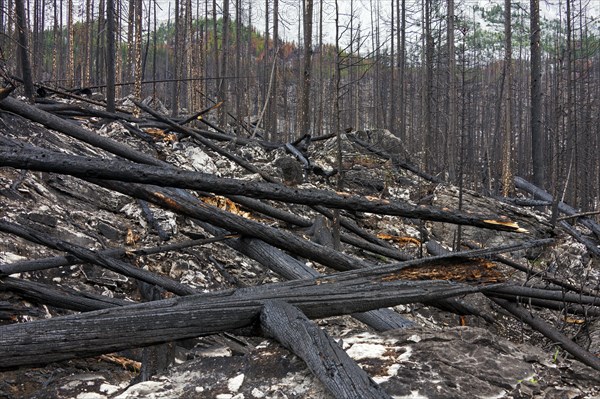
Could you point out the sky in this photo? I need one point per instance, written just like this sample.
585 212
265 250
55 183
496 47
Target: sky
366 13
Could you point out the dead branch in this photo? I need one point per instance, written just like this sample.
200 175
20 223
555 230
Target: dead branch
71 129
589 244
291 218
528 270
291 268
578 215
60 297
395 160
554 295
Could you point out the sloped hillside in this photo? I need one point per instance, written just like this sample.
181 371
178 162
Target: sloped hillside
147 257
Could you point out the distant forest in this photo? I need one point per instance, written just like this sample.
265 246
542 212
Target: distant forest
477 94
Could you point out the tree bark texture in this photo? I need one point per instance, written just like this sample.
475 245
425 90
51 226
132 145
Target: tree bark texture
109 330
537 134
338 372
22 26
85 167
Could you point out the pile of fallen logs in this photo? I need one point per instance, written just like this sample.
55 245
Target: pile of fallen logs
355 286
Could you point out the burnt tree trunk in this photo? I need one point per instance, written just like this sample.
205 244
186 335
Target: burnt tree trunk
109 330
86 167
342 377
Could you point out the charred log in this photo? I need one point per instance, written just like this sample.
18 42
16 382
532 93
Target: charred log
58 261
85 167
109 330
550 332
565 208
342 377
96 258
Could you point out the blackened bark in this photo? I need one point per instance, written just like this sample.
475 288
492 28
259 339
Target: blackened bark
338 372
24 49
110 330
110 55
42 160
537 138
550 332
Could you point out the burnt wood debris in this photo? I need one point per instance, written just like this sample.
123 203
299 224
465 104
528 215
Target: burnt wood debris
284 226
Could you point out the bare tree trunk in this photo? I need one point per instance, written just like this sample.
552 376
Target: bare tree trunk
307 69
507 176
401 67
239 82
71 45
137 90
110 55
54 48
128 74
100 44
176 60
266 67
36 38
24 49
154 52
338 69
87 56
537 139
392 65
272 114
451 135
319 121
223 83
428 88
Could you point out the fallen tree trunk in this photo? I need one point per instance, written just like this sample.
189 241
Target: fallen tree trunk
555 295
96 258
396 161
288 217
523 201
248 166
592 247
86 167
338 372
565 308
550 332
58 261
78 110
293 269
71 129
205 142
109 330
170 200
529 270
565 208
60 297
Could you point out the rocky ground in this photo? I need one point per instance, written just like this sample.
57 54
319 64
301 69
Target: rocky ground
443 355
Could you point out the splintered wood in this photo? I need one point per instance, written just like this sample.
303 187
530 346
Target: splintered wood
467 271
